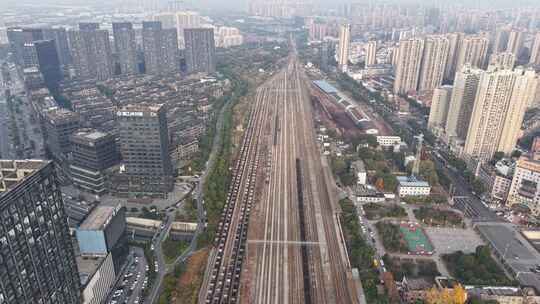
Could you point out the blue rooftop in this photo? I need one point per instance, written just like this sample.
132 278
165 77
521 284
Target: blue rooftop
325 86
411 181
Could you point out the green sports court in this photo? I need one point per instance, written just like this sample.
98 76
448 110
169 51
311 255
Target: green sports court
417 241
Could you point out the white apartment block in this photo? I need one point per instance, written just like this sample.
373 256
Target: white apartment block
525 188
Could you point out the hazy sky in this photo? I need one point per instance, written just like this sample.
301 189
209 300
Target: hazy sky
239 4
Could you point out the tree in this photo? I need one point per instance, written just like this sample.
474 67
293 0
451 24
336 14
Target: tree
338 165
516 154
460 295
497 156
379 184
478 186
390 183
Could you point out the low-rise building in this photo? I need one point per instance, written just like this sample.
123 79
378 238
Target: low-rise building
503 294
59 124
496 181
92 152
97 276
412 186
359 170
368 195
525 188
388 141
102 231
414 289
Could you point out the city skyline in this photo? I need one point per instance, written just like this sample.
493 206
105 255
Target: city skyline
281 151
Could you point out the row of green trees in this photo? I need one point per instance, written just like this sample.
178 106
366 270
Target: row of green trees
361 254
379 211
218 180
410 268
391 237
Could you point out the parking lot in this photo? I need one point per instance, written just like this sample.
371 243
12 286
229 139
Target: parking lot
132 282
448 240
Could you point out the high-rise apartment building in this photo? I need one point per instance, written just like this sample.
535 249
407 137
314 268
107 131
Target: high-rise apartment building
144 145
200 50
473 50
454 41
371 53
504 60
59 36
440 105
501 40
433 62
21 43
344 47
49 63
160 47
501 101
462 102
91 51
125 47
92 152
523 94
38 260
180 21
408 65
535 50
228 36
525 188
515 42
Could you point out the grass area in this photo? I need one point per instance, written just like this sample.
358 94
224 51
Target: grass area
379 211
182 287
172 249
411 268
361 254
188 212
438 217
392 237
476 268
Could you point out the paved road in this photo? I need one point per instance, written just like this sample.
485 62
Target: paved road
5 143
464 199
28 130
131 280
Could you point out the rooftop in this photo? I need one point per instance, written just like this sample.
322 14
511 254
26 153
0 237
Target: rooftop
411 181
87 266
325 86
518 254
99 218
494 290
56 114
361 190
358 166
90 134
13 172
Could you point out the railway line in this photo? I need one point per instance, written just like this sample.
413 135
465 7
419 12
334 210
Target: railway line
278 240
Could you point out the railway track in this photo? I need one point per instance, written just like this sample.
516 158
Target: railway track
231 232
294 254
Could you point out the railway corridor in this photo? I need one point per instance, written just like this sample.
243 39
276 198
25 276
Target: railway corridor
294 252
